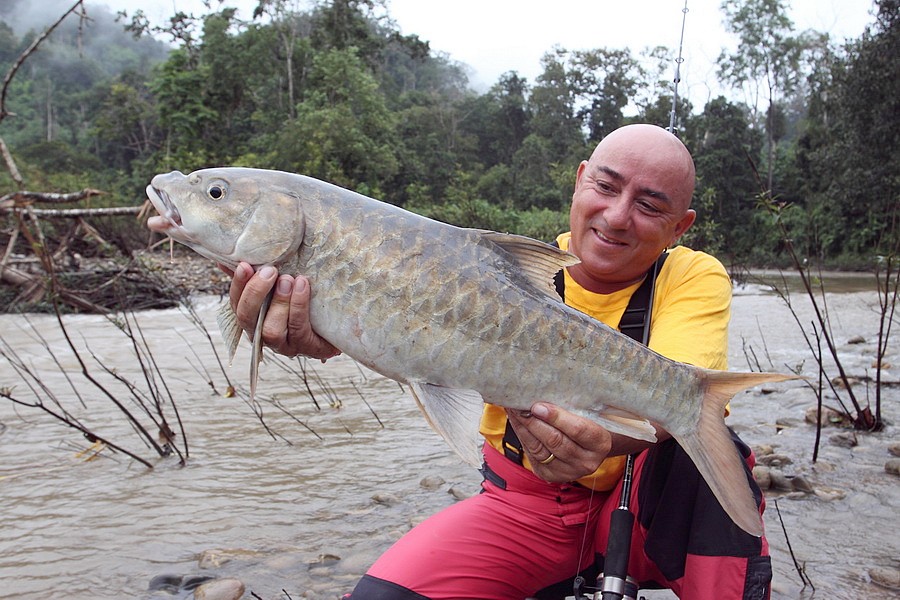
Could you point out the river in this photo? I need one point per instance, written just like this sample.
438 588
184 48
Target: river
298 514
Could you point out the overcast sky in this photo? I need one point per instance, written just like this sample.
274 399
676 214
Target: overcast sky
495 36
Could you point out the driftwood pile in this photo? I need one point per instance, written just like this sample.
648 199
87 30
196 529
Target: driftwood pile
90 260
59 253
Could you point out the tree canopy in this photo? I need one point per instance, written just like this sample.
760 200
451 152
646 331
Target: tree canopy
332 89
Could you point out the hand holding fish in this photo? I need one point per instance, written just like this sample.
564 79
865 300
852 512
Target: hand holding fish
577 444
286 328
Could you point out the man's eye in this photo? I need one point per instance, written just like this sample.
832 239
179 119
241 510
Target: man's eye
649 207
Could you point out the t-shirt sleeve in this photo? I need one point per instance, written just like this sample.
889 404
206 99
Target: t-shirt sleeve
691 310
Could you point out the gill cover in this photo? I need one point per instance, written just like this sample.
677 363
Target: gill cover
239 216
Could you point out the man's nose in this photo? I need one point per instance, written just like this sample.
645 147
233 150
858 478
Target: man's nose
618 212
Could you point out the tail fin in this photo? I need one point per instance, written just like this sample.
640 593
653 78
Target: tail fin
713 452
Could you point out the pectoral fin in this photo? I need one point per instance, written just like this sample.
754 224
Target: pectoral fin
257 348
228 327
231 333
455 415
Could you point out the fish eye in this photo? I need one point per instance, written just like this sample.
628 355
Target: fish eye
216 191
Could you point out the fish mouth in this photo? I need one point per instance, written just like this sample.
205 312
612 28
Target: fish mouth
169 217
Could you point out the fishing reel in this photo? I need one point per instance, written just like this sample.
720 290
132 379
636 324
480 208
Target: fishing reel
607 588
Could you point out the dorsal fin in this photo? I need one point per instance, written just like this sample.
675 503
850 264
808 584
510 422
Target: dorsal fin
539 262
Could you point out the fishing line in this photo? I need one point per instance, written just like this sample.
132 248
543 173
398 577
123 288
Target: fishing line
579 580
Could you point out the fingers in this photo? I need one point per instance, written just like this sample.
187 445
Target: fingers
300 336
286 328
248 291
578 445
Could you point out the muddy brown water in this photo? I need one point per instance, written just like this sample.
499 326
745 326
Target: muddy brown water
298 516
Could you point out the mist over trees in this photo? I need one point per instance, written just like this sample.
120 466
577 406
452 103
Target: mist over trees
332 89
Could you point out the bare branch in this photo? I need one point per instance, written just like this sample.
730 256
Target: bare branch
11 165
77 213
28 51
24 197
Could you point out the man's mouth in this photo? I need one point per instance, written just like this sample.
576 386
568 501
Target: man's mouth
608 240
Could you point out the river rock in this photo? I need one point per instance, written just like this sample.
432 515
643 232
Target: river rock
458 493
762 476
801 484
894 449
856 339
844 440
780 481
763 450
227 588
432 482
774 460
840 382
829 494
165 583
830 417
885 576
892 466
192 582
325 560
213 559
386 499
785 423
210 559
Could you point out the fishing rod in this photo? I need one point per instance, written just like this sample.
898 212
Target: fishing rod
615 584
678 62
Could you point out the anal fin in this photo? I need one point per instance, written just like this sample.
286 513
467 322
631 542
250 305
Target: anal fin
455 415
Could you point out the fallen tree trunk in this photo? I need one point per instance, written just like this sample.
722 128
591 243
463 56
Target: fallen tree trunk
24 197
73 213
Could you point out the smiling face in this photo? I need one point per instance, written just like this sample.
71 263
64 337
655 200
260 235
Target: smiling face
631 201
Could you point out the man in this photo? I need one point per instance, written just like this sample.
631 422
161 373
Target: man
544 513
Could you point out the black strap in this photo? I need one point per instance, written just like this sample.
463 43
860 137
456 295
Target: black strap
635 323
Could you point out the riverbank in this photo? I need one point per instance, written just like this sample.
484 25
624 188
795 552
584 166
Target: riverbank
282 508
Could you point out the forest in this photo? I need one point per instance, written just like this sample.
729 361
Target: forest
332 89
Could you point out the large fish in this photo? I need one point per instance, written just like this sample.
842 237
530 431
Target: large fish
462 316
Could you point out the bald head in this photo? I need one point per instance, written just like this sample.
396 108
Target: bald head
657 149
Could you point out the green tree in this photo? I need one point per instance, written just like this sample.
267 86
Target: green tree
766 62
604 82
852 152
183 114
343 132
553 106
723 143
124 124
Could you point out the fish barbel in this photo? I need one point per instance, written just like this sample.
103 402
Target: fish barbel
461 316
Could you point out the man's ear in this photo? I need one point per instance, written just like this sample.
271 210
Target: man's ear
580 172
684 224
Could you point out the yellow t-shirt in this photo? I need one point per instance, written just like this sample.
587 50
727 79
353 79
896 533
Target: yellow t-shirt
689 323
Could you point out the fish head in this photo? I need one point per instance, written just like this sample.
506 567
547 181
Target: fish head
228 214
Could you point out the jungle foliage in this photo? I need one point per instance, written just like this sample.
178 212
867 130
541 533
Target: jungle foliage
334 90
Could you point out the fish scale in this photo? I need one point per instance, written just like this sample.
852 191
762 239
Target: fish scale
462 316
